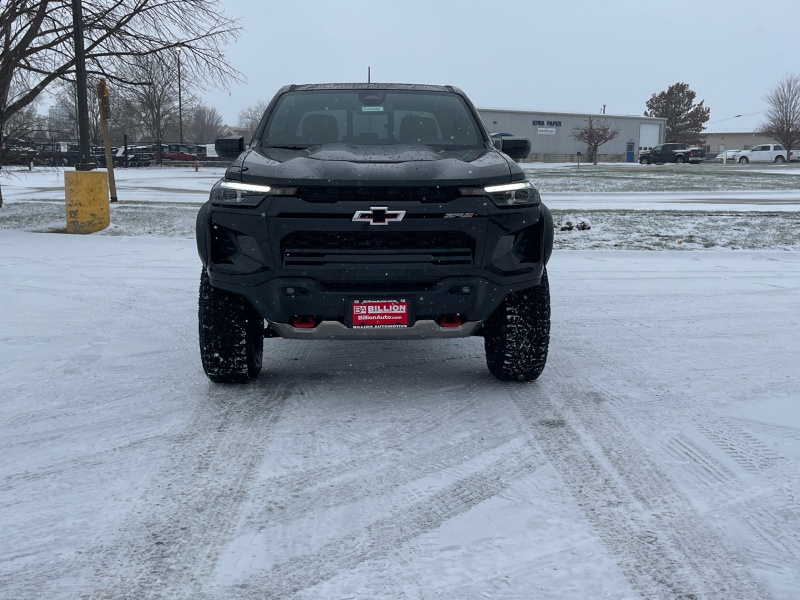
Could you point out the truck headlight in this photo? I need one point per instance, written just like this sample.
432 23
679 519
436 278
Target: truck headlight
520 194
237 193
509 195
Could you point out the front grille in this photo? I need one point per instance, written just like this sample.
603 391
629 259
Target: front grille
424 248
311 193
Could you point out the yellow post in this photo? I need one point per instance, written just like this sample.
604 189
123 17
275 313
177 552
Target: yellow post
86 193
102 96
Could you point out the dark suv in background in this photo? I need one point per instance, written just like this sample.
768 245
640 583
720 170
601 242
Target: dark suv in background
372 211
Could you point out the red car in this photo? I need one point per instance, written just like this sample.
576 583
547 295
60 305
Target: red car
177 152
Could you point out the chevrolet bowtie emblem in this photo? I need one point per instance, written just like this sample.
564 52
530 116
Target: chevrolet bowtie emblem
379 215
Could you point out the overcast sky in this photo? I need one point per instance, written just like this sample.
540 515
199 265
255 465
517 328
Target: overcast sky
544 55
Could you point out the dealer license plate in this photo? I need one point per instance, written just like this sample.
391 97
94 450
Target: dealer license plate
379 313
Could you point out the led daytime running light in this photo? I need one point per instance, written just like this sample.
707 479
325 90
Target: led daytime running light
507 187
246 187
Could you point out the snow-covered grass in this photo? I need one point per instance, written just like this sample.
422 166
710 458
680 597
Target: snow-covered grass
624 177
672 230
644 208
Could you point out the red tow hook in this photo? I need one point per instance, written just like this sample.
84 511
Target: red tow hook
451 321
304 322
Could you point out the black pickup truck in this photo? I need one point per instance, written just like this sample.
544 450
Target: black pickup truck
672 153
372 212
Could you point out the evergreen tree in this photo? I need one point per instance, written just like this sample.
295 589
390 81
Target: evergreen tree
685 119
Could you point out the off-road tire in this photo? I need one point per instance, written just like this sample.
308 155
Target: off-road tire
517 334
231 335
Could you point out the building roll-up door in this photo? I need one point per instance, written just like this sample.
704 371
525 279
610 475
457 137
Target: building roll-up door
648 135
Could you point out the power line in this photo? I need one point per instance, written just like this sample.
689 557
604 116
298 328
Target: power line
735 117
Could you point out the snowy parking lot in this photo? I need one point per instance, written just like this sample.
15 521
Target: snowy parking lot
656 457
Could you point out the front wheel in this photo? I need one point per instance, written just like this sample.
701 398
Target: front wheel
517 334
744 160
644 161
780 160
231 335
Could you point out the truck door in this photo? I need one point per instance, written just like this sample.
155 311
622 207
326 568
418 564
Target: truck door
761 153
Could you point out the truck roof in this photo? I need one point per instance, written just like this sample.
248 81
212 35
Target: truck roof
371 86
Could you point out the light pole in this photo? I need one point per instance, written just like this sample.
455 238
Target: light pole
180 102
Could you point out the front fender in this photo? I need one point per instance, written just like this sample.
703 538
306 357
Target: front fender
201 232
548 232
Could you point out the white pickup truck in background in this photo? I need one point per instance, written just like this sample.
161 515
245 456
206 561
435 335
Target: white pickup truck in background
767 153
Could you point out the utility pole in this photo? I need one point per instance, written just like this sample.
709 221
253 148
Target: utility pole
85 163
180 102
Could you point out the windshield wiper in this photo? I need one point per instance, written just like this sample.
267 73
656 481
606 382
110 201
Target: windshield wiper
289 147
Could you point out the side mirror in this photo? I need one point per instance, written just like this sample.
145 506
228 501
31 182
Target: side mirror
230 147
515 147
497 142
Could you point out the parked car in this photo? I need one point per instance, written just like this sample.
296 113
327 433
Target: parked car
729 155
138 156
766 153
672 153
177 152
17 155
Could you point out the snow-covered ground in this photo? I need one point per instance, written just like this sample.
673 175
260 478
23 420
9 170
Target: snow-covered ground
656 457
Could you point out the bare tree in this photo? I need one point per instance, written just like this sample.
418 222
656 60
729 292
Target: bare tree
685 119
594 134
66 105
206 125
36 42
155 103
782 119
20 128
251 116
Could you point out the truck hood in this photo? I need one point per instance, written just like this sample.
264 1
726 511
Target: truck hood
346 164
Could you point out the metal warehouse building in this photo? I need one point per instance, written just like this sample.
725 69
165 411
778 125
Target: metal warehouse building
551 134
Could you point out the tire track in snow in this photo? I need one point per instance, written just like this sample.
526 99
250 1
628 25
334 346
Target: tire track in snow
382 538
780 431
772 543
366 475
169 546
772 522
311 486
663 548
703 467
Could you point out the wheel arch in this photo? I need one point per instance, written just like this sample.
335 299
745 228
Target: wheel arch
202 233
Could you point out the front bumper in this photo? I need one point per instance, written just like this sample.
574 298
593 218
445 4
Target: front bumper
290 258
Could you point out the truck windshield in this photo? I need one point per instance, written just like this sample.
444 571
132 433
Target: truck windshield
371 117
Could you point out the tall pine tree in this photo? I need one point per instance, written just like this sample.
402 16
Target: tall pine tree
685 119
